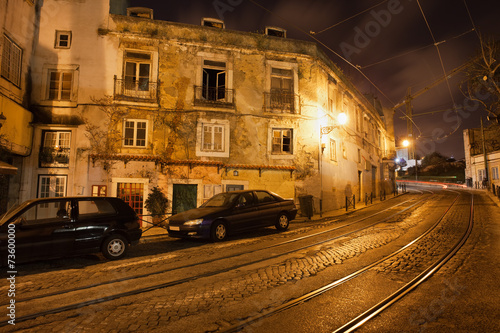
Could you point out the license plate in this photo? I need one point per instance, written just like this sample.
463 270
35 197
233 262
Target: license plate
175 228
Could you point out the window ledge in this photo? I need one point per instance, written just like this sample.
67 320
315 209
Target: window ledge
282 156
59 103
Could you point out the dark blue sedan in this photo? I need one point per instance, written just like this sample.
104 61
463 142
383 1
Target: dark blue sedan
232 212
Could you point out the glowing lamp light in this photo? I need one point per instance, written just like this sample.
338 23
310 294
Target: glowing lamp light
342 118
406 143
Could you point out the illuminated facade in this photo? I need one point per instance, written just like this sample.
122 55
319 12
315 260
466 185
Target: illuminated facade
18 29
127 103
475 170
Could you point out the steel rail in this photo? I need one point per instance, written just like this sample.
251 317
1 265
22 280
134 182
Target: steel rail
135 277
315 293
184 280
400 293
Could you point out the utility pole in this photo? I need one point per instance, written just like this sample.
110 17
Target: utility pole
409 130
485 155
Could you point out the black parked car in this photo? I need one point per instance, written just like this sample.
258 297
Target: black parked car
233 212
66 226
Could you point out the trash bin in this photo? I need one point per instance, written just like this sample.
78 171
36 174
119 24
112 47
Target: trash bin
306 205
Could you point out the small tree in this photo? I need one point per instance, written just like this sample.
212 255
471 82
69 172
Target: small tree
156 204
482 78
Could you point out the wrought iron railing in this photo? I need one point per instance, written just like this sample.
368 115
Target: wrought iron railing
54 157
140 90
204 95
280 101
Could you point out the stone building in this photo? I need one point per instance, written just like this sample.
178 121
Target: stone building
125 103
475 170
18 28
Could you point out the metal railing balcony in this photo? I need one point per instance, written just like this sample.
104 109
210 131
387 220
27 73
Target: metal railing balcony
213 96
141 90
280 101
51 157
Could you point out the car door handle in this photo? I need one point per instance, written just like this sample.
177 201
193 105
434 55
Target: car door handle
67 226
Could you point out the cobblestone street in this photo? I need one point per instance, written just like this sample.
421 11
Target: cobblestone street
260 279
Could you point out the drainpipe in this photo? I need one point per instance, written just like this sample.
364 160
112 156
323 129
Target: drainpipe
485 155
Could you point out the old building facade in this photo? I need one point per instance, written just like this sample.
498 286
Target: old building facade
482 161
18 30
125 103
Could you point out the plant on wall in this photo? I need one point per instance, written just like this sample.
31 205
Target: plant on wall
105 136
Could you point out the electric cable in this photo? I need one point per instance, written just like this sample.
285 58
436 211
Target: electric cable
347 19
416 50
325 46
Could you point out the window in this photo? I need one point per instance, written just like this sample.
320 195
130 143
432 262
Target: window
55 150
11 61
282 96
51 186
137 73
494 173
60 85
211 190
276 32
99 190
134 133
211 22
344 151
481 174
358 120
48 212
264 197
282 141
63 39
333 150
213 138
214 80
359 155
94 207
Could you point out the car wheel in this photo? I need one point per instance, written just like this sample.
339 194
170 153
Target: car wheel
218 232
283 222
114 247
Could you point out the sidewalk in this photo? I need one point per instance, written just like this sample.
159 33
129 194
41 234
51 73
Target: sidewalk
325 216
153 232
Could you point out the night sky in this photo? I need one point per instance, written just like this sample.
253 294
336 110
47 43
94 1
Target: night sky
388 41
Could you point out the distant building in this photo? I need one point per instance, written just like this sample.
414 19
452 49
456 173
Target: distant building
475 170
126 103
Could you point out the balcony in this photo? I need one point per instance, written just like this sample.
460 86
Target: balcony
212 96
135 90
52 157
280 102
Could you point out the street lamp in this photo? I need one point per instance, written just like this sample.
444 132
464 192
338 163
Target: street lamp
323 130
407 143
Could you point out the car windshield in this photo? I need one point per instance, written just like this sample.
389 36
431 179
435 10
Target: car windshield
221 200
12 211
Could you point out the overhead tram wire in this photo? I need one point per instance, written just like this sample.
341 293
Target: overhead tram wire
325 46
416 50
347 19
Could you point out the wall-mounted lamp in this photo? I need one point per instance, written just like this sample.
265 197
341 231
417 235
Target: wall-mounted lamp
235 173
2 119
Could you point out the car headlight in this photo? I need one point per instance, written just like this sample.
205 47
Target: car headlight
193 222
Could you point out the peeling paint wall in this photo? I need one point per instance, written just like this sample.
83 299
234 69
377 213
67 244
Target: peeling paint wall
243 133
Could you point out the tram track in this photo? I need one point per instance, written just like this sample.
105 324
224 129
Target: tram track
361 319
105 298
